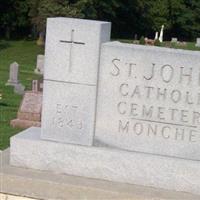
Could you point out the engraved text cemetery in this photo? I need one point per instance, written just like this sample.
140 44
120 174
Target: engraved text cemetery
139 117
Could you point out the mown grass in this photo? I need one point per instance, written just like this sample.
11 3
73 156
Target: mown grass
24 53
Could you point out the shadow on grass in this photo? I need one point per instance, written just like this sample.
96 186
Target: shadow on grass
4 104
4 44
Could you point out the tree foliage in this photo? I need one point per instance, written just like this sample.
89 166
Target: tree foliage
142 17
40 10
13 15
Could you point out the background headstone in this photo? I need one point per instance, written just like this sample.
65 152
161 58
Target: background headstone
170 79
198 42
13 74
40 64
174 40
29 113
37 86
135 36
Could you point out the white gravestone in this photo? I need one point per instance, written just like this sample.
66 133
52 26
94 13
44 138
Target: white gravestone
40 64
13 79
70 79
153 105
13 74
198 42
161 33
174 40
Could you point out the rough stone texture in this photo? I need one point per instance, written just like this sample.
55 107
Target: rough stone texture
40 64
71 68
37 86
29 151
198 42
133 113
78 61
68 115
29 113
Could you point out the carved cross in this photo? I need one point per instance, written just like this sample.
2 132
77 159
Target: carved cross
72 43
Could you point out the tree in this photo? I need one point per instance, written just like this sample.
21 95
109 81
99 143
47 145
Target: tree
13 15
142 17
192 26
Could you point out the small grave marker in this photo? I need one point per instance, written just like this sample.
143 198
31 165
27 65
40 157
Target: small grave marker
29 113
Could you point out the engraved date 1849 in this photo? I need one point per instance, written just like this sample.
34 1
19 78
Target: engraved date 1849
67 116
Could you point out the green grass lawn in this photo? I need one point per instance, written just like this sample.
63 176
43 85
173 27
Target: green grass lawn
24 53
188 46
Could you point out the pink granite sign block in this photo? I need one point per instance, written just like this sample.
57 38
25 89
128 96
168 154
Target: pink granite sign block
29 113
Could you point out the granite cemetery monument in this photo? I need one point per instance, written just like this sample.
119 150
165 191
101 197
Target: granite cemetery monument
113 111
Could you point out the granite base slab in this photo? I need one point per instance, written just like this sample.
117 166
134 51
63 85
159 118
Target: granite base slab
19 123
29 151
11 197
46 185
